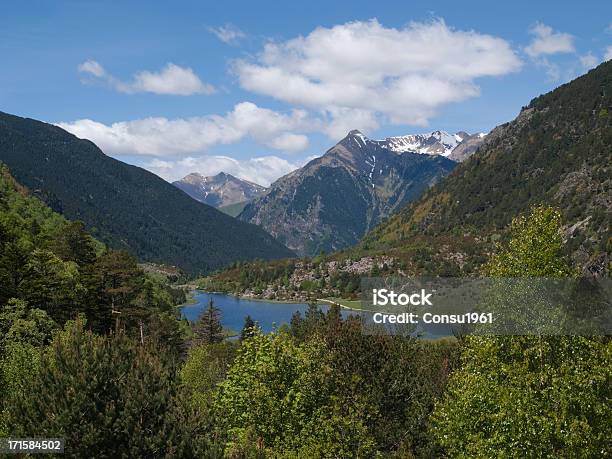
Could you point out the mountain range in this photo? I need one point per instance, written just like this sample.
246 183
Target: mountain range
556 153
332 201
124 206
224 191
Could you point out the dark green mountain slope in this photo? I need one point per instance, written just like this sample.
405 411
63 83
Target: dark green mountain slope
558 151
125 206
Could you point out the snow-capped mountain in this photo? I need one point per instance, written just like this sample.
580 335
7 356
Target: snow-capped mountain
332 201
432 143
219 190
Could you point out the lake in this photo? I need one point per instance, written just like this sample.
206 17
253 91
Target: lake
235 309
269 313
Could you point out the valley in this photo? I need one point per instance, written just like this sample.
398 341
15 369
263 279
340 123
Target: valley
409 283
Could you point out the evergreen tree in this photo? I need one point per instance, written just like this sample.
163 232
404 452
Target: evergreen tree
249 328
208 328
73 243
107 396
297 325
119 283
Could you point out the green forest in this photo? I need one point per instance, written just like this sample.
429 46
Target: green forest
93 350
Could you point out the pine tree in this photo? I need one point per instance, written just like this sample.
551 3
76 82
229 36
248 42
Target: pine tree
249 329
106 394
208 328
73 243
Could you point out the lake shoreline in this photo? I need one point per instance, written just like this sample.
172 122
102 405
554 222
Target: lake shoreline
319 301
234 309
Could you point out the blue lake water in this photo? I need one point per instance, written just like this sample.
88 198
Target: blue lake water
270 314
235 309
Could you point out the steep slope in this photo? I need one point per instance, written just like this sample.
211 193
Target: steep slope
331 202
125 206
219 190
558 152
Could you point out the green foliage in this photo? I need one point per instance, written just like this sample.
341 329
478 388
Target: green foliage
327 390
529 396
535 248
21 324
19 365
51 284
105 394
205 367
275 393
249 329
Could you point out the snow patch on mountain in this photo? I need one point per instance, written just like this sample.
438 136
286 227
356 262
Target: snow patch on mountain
431 143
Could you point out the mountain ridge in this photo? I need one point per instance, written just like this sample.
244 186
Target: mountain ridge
126 206
432 143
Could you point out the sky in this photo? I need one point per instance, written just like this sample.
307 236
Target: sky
256 89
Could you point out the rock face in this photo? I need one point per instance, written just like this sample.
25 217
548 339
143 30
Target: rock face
219 190
332 201
467 147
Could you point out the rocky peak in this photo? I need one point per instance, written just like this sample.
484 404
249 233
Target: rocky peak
219 190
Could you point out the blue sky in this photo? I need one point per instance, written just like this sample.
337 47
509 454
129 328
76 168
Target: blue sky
257 88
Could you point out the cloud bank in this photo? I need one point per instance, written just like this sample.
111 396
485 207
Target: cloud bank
360 72
158 136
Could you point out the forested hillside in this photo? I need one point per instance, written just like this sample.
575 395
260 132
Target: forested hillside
558 151
53 265
124 206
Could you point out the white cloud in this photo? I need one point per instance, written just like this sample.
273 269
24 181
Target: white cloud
170 80
228 33
608 53
262 170
588 61
289 142
92 67
546 41
358 72
183 136
342 120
